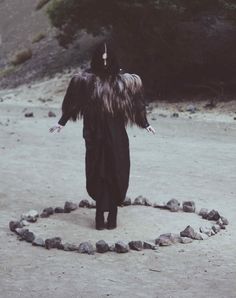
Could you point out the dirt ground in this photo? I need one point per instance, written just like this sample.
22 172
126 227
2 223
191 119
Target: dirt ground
192 157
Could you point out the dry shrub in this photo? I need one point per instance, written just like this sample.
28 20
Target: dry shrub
41 4
38 37
21 56
7 71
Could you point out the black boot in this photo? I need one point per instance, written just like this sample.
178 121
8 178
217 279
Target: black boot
99 220
112 218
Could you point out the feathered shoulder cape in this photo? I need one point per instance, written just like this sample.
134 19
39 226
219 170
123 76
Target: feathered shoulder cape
121 95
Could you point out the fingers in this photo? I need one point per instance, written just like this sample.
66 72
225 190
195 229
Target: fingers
150 129
55 128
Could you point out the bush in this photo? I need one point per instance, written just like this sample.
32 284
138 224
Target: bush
21 56
38 37
170 43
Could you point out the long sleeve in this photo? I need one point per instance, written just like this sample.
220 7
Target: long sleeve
73 102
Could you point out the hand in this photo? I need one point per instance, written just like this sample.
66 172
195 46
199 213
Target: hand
150 129
56 127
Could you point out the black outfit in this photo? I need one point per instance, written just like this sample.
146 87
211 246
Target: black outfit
106 140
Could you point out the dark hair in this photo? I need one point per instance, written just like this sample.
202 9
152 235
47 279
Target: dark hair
98 67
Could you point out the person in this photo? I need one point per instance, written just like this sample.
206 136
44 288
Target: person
108 100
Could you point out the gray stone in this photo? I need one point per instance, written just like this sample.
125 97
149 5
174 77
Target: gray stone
149 245
213 215
220 223
216 228
24 223
121 247
86 248
185 240
28 236
20 231
59 210
136 245
224 220
70 247
208 231
70 206
146 202
54 242
189 206
92 205
38 242
127 201
30 216
102 246
173 205
203 212
13 225
175 115
29 114
84 204
51 114
201 236
189 232
47 212
160 206
138 200
112 247
191 108
168 239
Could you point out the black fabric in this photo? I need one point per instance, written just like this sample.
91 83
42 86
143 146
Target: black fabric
107 151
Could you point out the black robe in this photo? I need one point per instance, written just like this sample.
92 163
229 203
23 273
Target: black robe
104 131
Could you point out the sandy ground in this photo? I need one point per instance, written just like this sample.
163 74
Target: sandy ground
192 157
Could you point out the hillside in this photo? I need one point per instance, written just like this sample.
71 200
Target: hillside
20 25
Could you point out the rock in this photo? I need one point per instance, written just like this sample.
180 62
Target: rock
24 223
92 205
70 206
160 206
138 200
53 243
173 205
38 242
220 223
185 240
29 114
28 236
146 202
136 245
175 115
59 210
189 206
149 245
112 247
223 220
102 246
190 233
47 212
51 114
20 231
213 215
191 108
121 247
203 212
167 239
86 248
13 225
70 247
84 204
201 236
127 201
216 228
208 231
30 216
